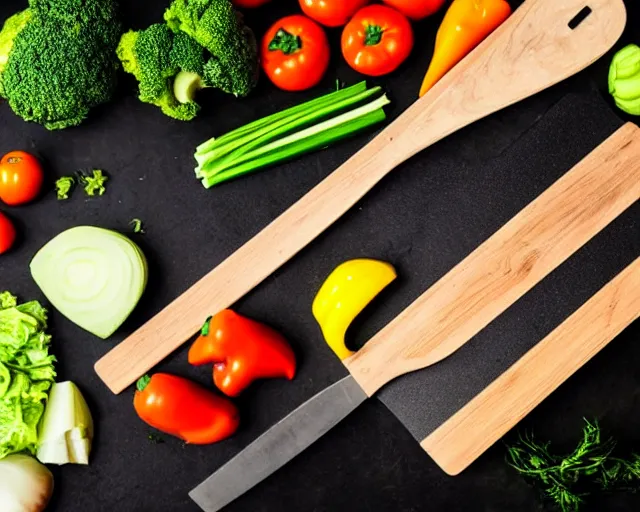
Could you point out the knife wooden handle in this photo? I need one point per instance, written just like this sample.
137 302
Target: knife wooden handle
532 50
507 265
491 414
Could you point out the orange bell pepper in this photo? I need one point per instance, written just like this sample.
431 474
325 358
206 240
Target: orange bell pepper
465 25
241 350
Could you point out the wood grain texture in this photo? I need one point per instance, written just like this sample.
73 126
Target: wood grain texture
507 265
533 50
509 398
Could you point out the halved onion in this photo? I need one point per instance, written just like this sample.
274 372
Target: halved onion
93 276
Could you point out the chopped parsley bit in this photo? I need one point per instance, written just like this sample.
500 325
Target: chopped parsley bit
64 186
94 183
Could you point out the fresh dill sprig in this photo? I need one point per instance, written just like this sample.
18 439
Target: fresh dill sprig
567 479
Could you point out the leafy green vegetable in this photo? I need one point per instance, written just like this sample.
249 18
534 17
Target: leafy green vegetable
151 56
285 135
567 480
624 79
203 44
64 186
26 373
215 25
7 300
57 60
136 224
93 183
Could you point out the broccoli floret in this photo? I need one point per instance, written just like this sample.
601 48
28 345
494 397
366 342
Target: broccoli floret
12 27
60 60
215 25
155 60
153 49
186 54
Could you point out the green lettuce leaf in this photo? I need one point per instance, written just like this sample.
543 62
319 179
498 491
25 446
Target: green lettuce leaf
7 300
26 373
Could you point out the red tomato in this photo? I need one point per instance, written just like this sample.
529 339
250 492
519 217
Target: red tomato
249 4
377 40
7 233
21 178
416 9
332 13
295 53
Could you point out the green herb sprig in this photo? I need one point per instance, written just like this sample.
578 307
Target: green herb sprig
64 186
93 183
567 480
136 225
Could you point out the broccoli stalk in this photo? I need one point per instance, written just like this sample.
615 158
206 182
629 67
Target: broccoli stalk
57 60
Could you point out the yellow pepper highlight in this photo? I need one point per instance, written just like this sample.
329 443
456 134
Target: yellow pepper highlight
346 292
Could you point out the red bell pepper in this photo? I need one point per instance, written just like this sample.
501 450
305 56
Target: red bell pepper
184 409
242 351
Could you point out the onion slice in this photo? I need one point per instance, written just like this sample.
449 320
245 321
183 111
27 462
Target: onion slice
93 276
66 430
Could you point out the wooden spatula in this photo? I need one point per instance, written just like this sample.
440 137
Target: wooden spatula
542 43
492 413
471 295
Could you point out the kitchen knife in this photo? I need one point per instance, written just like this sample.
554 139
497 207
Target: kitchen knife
538 46
500 271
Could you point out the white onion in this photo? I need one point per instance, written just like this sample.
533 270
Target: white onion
93 276
25 484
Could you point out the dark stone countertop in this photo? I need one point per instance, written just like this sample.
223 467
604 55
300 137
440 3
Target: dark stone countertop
369 461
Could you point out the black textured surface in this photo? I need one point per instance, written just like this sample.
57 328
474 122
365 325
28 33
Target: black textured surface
490 194
423 218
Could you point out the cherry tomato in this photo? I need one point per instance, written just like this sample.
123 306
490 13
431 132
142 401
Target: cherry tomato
377 40
416 9
249 4
295 53
7 233
21 178
332 13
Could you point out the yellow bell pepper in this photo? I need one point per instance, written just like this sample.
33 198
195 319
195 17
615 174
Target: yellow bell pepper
345 293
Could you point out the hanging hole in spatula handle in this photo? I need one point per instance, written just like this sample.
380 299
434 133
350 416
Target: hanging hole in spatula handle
580 17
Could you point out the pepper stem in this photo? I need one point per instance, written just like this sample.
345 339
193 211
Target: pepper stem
286 42
143 382
205 327
373 35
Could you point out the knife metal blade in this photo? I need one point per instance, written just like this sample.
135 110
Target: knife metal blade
278 445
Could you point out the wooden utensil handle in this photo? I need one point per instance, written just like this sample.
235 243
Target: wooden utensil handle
533 50
501 270
513 395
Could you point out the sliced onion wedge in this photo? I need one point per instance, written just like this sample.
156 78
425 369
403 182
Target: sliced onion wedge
93 276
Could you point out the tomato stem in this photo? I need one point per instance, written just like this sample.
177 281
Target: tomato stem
286 42
143 382
373 35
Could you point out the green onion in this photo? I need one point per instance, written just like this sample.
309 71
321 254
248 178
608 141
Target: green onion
206 147
266 134
293 132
